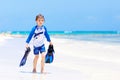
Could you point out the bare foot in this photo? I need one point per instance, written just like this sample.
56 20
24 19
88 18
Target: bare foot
34 70
42 72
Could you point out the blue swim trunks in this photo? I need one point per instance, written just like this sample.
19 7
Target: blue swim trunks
39 49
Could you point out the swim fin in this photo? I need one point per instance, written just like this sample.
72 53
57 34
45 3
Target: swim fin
24 59
50 54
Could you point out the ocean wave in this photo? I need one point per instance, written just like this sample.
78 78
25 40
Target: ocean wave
109 36
68 32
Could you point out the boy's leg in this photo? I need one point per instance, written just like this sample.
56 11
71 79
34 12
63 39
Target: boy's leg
35 62
42 61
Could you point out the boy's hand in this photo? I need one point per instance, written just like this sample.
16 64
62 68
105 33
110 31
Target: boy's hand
27 45
50 43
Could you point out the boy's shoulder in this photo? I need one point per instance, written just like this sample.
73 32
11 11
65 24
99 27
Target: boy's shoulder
34 27
44 27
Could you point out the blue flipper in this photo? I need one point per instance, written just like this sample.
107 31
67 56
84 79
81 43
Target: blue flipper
50 54
49 58
24 59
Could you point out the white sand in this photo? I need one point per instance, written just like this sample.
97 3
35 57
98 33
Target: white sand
74 60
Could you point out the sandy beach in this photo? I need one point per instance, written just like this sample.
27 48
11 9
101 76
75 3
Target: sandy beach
74 60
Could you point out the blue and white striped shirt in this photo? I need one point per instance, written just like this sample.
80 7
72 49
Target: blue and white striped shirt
38 34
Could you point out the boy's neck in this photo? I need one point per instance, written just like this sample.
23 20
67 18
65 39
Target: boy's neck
39 25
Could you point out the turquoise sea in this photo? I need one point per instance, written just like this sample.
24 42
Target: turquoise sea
102 36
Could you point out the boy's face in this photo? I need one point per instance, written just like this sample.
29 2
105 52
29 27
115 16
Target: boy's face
40 21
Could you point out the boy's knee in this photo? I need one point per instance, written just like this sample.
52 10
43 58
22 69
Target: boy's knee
43 55
37 56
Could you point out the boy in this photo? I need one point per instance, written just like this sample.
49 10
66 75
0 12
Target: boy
39 33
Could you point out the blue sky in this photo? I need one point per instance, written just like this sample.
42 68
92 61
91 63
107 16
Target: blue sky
70 15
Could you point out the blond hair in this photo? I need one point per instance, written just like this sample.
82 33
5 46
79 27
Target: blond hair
39 16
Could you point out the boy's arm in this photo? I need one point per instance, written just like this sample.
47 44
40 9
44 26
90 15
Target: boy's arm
30 36
47 35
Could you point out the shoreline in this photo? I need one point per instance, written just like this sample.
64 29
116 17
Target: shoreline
104 39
